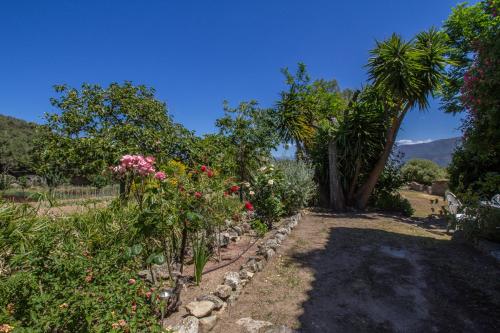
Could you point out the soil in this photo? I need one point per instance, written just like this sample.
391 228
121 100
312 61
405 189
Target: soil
371 273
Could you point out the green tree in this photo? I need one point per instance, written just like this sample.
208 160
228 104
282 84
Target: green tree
95 126
407 72
250 135
422 171
473 85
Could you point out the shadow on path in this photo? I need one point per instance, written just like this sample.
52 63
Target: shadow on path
370 279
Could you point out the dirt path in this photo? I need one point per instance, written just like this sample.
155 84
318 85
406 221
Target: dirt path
370 273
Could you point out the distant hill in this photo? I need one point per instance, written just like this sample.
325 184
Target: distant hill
439 151
16 143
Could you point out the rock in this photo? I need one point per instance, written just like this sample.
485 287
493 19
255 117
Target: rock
245 274
189 324
252 326
238 230
234 238
145 275
277 329
280 237
224 239
251 265
272 243
223 291
221 310
260 265
232 279
208 323
246 227
212 298
283 231
269 253
200 309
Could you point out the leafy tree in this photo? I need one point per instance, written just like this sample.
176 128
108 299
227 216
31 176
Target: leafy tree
16 144
474 82
250 135
422 171
96 126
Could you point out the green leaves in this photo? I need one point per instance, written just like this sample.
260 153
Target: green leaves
155 258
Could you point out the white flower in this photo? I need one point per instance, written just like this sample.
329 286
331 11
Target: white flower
246 184
270 182
262 169
251 193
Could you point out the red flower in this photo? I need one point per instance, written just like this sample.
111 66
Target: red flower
248 206
197 194
210 173
203 168
226 194
235 188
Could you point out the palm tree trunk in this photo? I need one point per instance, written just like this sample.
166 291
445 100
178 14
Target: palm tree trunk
337 201
363 194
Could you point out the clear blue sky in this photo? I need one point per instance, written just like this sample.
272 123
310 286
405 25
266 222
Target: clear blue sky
198 53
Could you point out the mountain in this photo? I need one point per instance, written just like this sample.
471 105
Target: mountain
439 151
16 143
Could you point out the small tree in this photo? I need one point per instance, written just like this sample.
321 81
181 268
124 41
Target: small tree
422 171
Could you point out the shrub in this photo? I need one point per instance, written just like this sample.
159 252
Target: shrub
265 197
298 186
394 203
422 171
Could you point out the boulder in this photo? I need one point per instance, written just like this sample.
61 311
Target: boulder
238 230
223 291
246 274
269 253
189 324
200 309
207 324
224 239
232 279
250 325
212 298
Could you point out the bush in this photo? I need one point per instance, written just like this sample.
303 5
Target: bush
71 274
265 194
394 203
479 221
298 186
422 171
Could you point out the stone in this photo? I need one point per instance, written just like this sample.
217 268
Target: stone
212 298
238 230
269 253
145 275
234 238
221 310
250 325
232 279
283 231
251 265
207 324
246 274
189 324
223 291
272 243
280 237
200 309
246 227
224 239
277 329
259 265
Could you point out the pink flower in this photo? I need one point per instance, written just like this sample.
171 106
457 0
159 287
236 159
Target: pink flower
131 281
197 194
210 173
160 175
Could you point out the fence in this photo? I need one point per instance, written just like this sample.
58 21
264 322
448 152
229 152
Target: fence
68 192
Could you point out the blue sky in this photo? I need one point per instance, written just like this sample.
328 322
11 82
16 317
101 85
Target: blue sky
199 53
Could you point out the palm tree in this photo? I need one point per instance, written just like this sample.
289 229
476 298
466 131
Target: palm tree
408 72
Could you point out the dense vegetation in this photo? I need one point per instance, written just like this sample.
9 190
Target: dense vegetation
422 171
16 144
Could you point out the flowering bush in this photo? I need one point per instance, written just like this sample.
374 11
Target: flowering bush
265 194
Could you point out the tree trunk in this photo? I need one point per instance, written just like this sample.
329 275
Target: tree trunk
363 194
337 201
